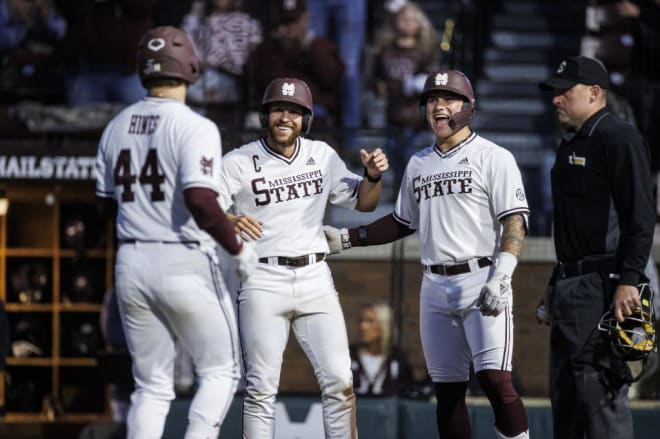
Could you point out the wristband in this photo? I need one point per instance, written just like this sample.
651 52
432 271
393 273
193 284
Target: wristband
506 263
362 235
371 179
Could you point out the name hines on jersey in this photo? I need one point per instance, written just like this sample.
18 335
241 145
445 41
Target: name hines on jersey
143 124
288 188
440 184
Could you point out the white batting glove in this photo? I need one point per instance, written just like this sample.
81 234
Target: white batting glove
494 296
246 260
338 239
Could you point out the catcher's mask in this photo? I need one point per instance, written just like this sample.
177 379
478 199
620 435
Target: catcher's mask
634 338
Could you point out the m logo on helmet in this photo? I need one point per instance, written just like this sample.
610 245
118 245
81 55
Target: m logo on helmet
288 89
156 44
441 79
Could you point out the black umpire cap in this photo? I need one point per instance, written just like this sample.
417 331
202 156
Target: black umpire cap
577 70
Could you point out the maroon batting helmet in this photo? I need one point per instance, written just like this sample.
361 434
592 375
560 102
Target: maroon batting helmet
290 90
453 81
167 52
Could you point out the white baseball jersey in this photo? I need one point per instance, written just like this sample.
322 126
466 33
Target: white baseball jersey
455 199
149 153
287 194
166 291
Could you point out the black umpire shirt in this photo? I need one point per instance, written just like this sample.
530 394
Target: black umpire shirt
602 195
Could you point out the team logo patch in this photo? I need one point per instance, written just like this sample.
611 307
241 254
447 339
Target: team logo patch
288 89
156 44
561 67
206 166
310 161
441 79
577 160
520 194
464 161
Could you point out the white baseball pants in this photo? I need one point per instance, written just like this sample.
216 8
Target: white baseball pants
171 291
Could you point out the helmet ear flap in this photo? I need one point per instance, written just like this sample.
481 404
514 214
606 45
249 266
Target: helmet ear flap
307 123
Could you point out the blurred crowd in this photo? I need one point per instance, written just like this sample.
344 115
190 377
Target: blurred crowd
75 59
625 36
81 52
365 61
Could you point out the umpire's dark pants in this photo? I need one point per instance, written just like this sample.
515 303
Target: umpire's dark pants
588 390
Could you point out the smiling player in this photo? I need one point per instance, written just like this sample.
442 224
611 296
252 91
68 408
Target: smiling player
464 197
279 187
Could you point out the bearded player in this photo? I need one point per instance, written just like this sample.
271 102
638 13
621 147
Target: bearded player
279 187
157 167
464 196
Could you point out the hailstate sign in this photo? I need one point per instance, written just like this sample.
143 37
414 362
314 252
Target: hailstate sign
58 167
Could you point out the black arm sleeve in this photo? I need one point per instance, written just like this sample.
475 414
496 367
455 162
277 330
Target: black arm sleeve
381 231
208 215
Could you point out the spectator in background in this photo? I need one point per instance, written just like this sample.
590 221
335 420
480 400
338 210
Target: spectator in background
405 55
378 367
224 37
644 90
348 20
100 46
29 34
292 50
21 21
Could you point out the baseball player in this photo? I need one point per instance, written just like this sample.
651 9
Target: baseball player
160 162
464 196
279 187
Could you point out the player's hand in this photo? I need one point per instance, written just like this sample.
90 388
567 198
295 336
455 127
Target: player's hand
338 239
543 307
246 260
626 301
248 228
375 162
494 295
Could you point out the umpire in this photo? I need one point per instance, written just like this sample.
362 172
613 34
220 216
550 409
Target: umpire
603 231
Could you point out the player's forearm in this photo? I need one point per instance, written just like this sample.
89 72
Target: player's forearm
208 215
381 231
513 234
368 195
